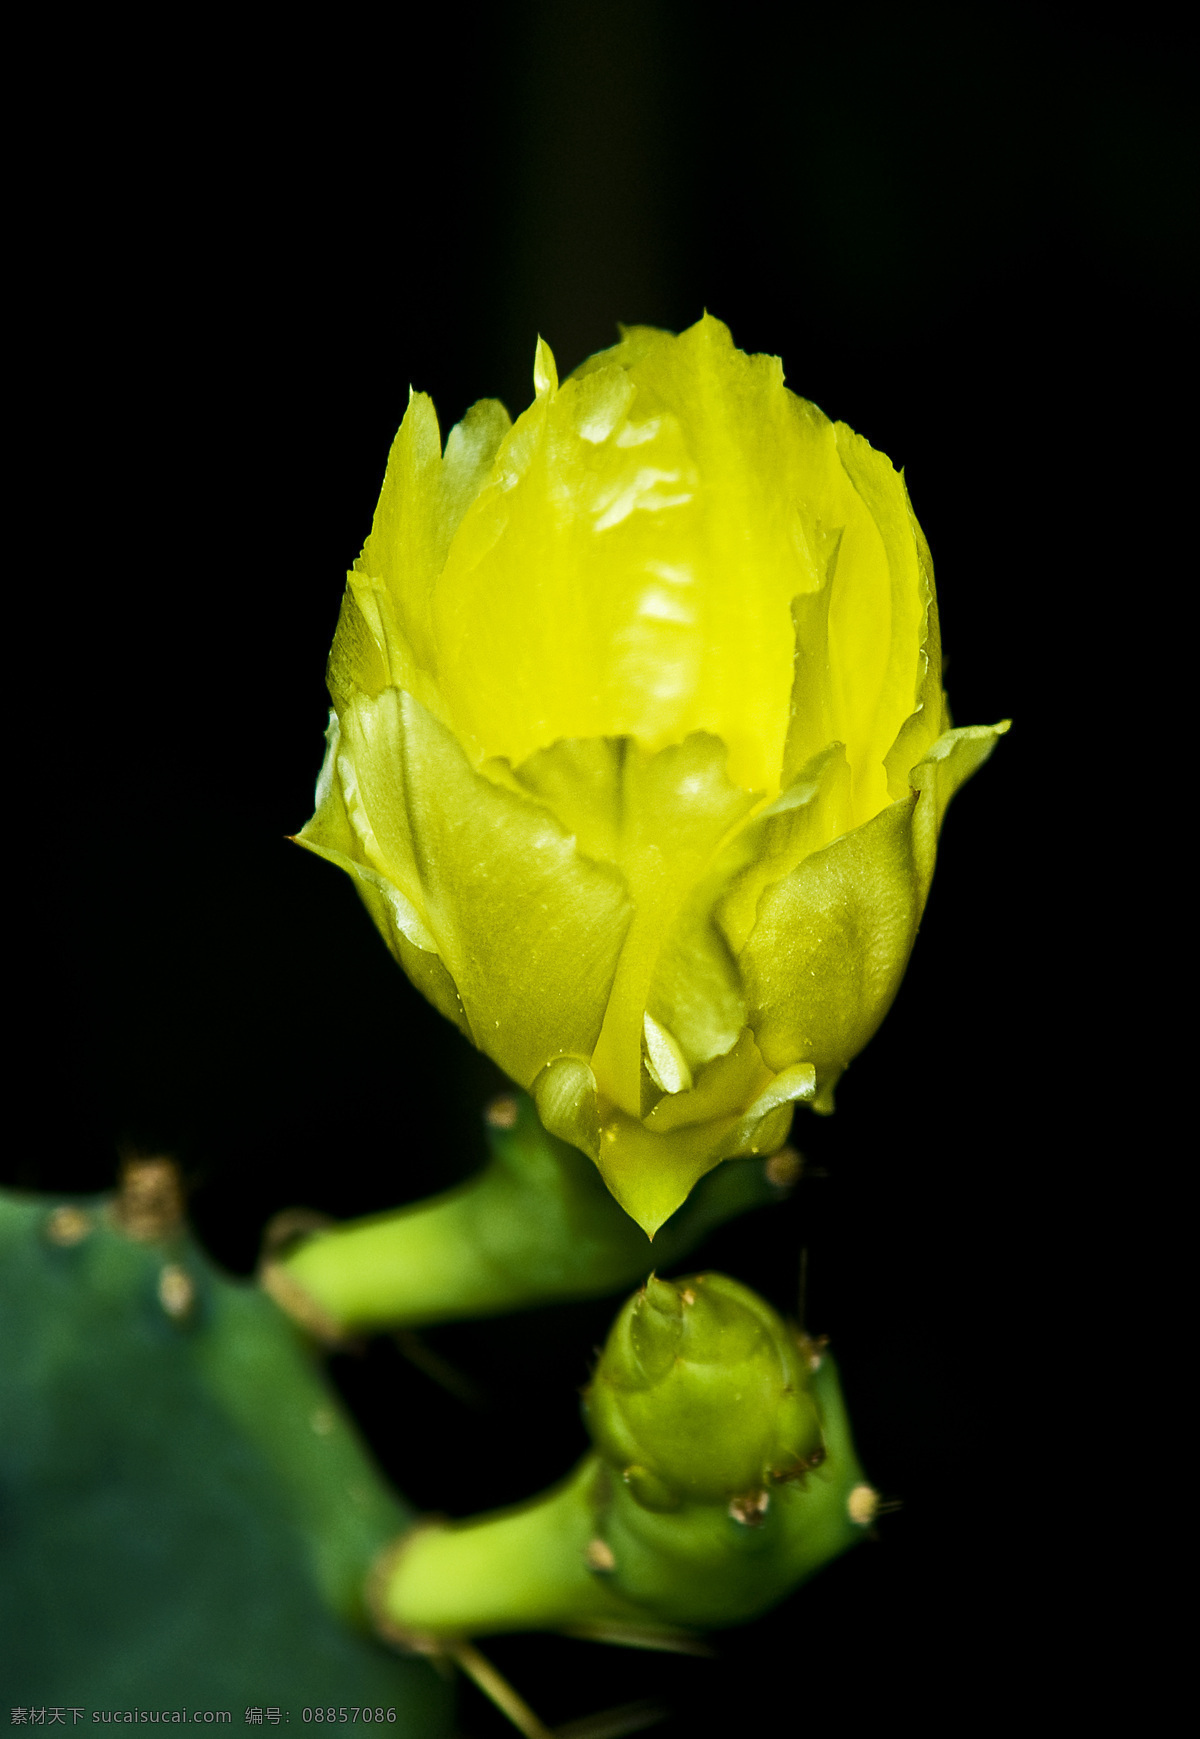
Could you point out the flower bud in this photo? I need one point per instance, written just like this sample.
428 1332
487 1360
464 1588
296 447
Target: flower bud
639 749
702 1394
722 1475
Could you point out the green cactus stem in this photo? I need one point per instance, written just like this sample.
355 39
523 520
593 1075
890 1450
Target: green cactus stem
190 1515
723 1476
535 1225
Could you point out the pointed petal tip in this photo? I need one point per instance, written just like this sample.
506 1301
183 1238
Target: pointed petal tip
545 369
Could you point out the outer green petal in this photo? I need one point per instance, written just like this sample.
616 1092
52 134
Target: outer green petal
827 953
833 935
814 810
696 991
403 926
949 763
533 975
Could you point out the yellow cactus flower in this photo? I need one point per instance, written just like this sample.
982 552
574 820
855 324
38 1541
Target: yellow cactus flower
639 749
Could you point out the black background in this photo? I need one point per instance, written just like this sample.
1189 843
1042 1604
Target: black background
964 233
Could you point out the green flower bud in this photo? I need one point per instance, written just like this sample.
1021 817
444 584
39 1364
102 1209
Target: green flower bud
702 1393
727 1471
639 749
723 1474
